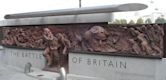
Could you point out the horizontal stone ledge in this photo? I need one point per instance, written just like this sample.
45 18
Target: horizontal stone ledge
67 19
120 54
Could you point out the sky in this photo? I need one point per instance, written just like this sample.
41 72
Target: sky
21 6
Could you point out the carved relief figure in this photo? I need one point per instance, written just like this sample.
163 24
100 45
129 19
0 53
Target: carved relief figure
135 46
144 43
23 37
8 38
51 51
56 49
156 38
96 39
65 45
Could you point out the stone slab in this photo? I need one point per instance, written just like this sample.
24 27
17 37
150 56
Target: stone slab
83 10
117 68
19 57
81 77
160 69
66 19
44 75
11 73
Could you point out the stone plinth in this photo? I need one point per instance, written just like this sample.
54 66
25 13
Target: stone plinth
19 57
116 67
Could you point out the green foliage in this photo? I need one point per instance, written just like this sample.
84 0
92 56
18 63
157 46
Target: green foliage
160 20
123 21
140 21
116 21
131 22
120 21
148 21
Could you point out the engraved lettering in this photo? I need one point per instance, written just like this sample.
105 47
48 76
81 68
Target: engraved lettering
111 64
101 62
89 61
122 64
94 62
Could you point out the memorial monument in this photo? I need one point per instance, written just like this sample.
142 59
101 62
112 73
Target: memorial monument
82 39
138 40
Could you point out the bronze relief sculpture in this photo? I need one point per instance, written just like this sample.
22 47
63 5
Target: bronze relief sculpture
96 40
58 40
56 48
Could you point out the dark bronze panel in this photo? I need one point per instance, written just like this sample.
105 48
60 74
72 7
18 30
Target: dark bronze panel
144 40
